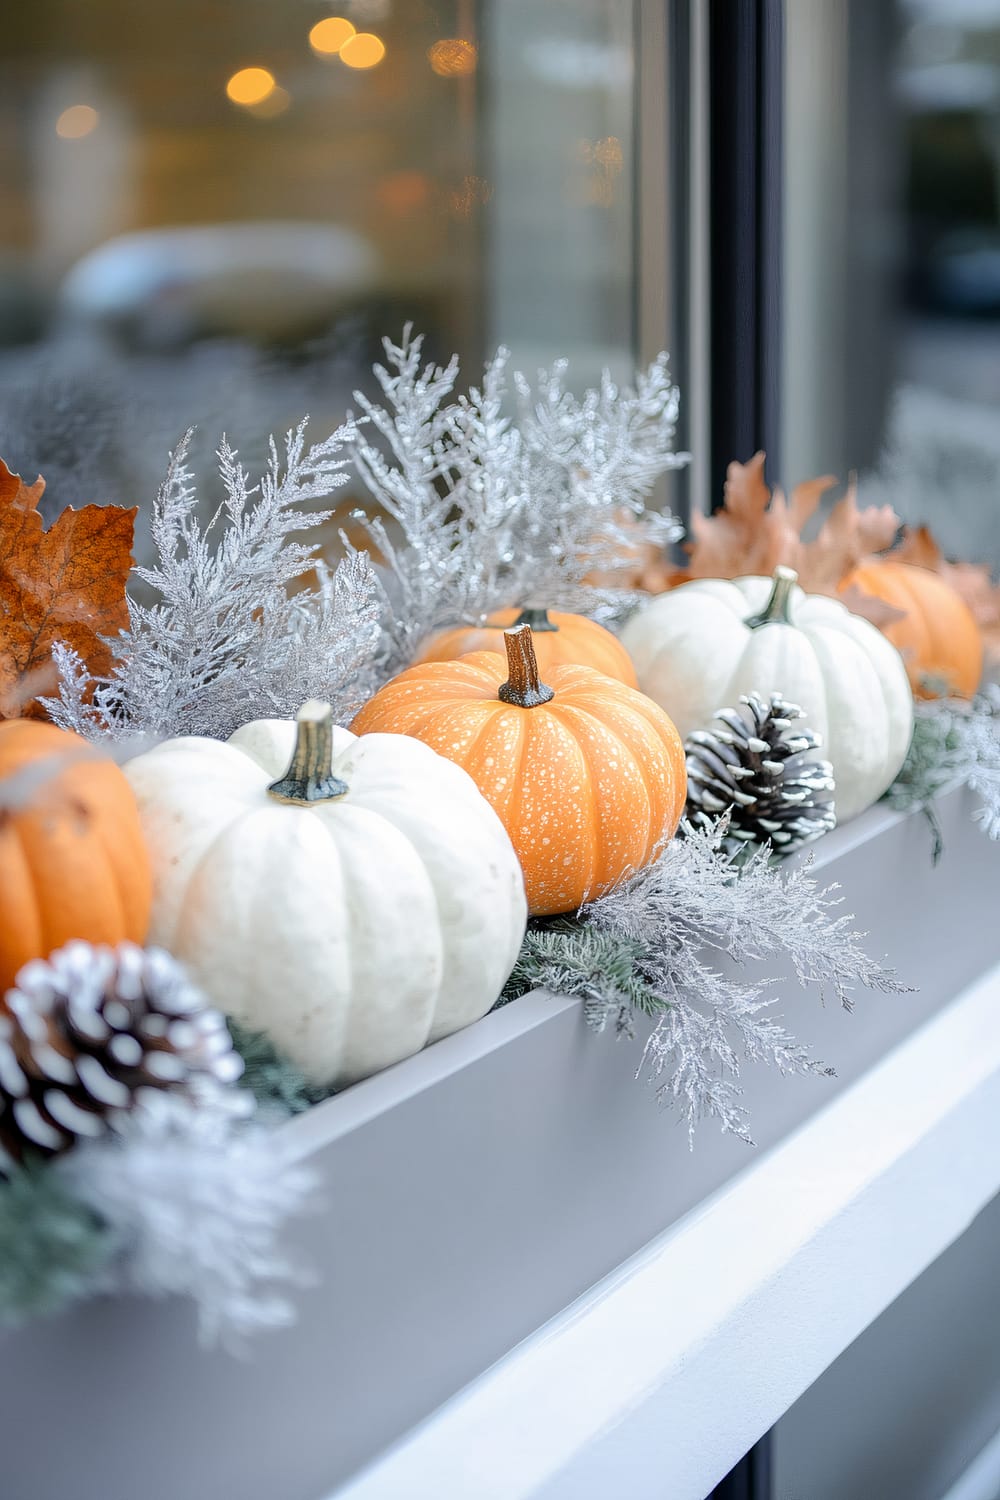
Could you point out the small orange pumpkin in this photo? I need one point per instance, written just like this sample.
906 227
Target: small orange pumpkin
73 862
559 639
938 637
586 775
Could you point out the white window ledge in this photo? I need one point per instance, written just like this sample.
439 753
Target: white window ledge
513 1189
659 1378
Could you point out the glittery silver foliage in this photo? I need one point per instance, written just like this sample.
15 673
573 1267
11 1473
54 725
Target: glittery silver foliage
954 743
694 898
195 1198
477 511
223 640
646 949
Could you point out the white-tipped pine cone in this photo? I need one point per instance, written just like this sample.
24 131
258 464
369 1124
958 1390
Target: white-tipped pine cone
86 1031
763 767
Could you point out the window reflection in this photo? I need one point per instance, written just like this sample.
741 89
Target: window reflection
892 257
211 210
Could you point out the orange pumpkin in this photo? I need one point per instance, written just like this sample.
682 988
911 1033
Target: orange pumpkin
938 637
560 640
73 862
586 775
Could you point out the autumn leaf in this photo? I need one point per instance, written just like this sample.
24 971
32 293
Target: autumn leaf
846 537
919 548
64 584
755 530
747 535
870 608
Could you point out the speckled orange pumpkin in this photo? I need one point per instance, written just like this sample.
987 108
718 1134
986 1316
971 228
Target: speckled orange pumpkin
587 775
73 861
938 637
560 640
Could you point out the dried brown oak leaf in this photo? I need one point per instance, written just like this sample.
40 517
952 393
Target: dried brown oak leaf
846 537
64 584
756 530
869 607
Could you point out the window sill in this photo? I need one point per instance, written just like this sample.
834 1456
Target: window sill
511 1175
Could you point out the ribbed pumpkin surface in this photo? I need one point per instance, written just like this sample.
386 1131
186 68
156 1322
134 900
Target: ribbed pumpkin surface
939 639
73 862
587 785
576 641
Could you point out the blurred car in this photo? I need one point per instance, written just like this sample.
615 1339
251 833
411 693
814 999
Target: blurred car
271 281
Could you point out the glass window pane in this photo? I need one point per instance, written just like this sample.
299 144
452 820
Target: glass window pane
892 257
212 210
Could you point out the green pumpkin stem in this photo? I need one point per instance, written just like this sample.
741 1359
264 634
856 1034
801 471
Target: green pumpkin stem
522 688
538 619
309 778
777 609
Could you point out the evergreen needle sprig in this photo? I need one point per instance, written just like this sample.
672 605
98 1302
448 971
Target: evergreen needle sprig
954 743
641 950
275 1082
53 1248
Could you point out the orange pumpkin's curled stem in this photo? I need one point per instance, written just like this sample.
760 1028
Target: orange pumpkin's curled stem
538 619
522 688
310 777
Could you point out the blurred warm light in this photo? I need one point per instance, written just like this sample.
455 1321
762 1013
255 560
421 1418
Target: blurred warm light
327 37
77 121
608 153
473 193
274 103
250 85
452 57
362 50
404 192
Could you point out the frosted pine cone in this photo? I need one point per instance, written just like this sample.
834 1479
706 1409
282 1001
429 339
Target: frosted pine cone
91 1028
763 767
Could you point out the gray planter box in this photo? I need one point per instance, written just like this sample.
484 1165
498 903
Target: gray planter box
468 1195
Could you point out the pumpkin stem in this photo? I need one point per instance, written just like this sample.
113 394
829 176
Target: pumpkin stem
309 778
777 608
522 687
538 619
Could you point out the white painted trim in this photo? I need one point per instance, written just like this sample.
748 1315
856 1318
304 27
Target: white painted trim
657 1380
981 1480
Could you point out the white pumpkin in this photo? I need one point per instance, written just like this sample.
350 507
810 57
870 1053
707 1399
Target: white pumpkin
701 646
355 911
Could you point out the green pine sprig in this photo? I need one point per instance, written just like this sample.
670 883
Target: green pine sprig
274 1081
569 957
53 1249
954 743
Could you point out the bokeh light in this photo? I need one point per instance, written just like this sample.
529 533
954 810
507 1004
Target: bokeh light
77 121
473 193
404 192
273 104
362 50
327 37
452 57
250 85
